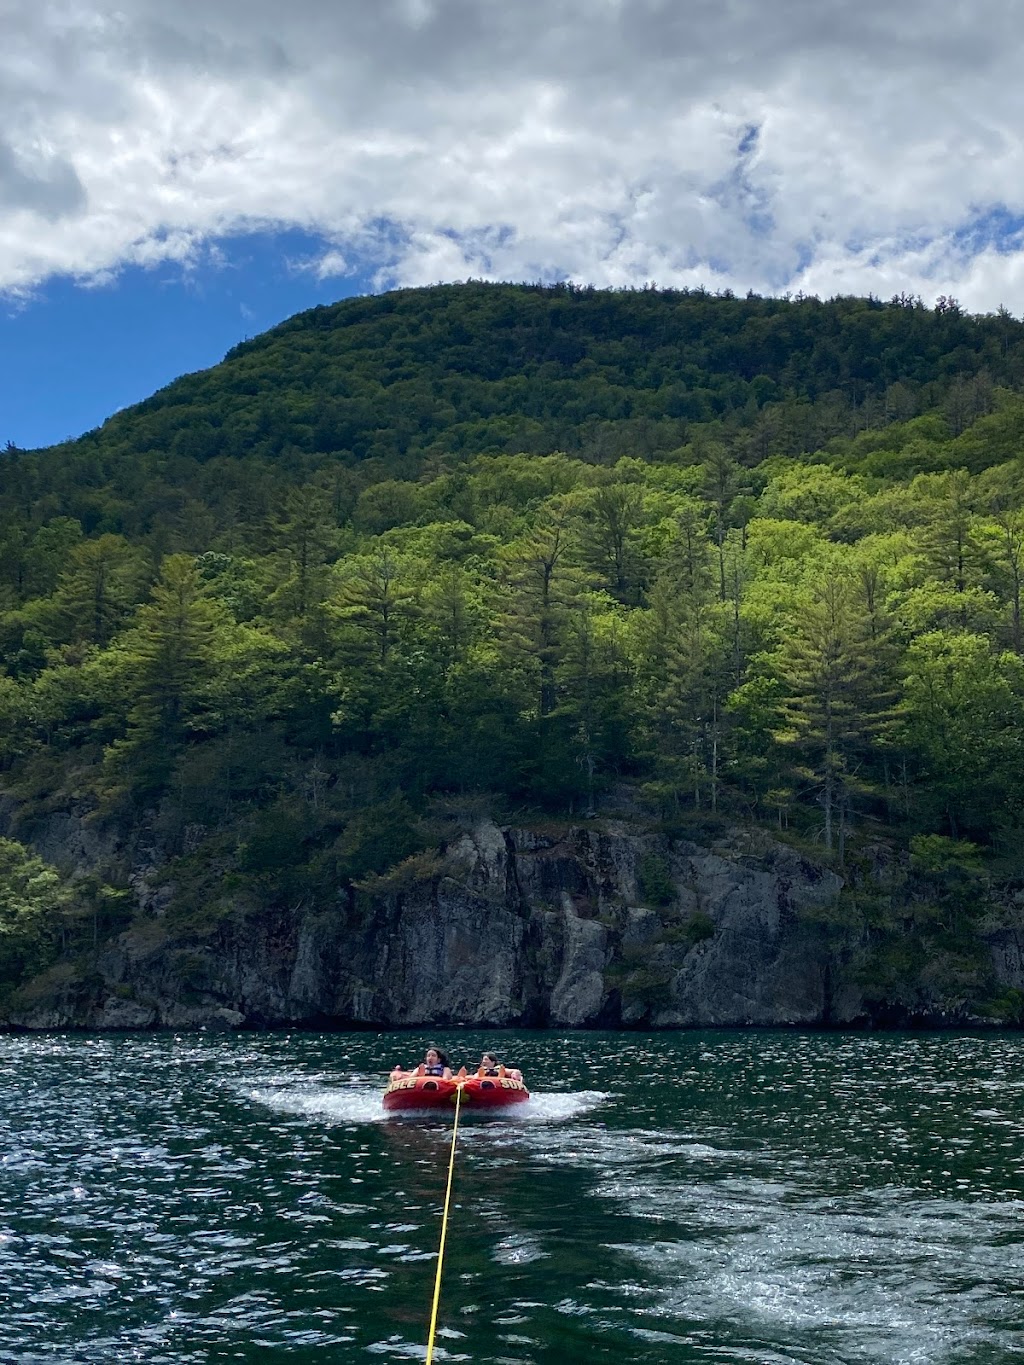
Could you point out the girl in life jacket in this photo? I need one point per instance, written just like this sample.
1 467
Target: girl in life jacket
435 1063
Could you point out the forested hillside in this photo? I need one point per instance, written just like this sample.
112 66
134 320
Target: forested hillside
538 550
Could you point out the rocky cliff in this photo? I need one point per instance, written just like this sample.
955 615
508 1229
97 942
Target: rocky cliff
513 926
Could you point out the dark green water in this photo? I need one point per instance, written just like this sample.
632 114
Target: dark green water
745 1197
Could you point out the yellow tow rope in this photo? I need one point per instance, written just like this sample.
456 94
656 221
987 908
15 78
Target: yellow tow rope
444 1232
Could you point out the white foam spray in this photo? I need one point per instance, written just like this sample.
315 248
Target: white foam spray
360 1104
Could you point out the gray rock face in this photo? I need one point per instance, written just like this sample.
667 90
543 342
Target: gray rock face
1007 945
760 965
520 926
68 839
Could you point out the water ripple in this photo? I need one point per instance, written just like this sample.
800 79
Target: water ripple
773 1198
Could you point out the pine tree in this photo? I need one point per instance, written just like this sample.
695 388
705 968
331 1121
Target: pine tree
836 697
452 613
1002 489
99 587
169 664
684 668
950 534
544 583
721 484
593 687
306 535
689 707
174 646
960 718
376 599
614 515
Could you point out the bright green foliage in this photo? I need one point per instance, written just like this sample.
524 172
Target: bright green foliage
186 670
544 586
374 604
102 581
613 518
747 559
832 671
32 898
594 693
962 721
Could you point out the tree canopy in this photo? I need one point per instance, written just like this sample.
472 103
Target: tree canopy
755 559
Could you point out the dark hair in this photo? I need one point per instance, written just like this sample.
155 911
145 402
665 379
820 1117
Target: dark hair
494 1059
442 1056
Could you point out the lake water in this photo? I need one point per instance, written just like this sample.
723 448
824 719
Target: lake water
756 1197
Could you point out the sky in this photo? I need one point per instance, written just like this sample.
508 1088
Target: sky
176 177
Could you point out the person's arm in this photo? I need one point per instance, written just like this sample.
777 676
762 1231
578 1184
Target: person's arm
447 1074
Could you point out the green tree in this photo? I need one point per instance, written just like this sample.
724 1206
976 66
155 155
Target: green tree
685 576
453 611
612 518
98 588
47 554
688 712
307 535
32 899
14 539
835 694
950 532
961 723
593 692
167 663
683 666
722 482
1003 534
544 583
376 600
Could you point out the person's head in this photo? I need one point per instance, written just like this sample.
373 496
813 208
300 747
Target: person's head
435 1057
488 1059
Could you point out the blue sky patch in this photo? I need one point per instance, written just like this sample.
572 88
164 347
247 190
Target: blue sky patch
71 355
995 228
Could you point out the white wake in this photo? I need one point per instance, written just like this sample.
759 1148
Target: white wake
361 1104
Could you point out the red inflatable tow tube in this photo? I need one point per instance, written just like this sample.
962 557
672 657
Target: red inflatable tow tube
421 1092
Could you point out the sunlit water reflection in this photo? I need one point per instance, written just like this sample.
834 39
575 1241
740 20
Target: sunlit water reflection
770 1198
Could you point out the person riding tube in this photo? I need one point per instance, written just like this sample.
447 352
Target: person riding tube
435 1063
490 1066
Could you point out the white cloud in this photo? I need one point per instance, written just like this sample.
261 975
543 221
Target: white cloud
766 144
